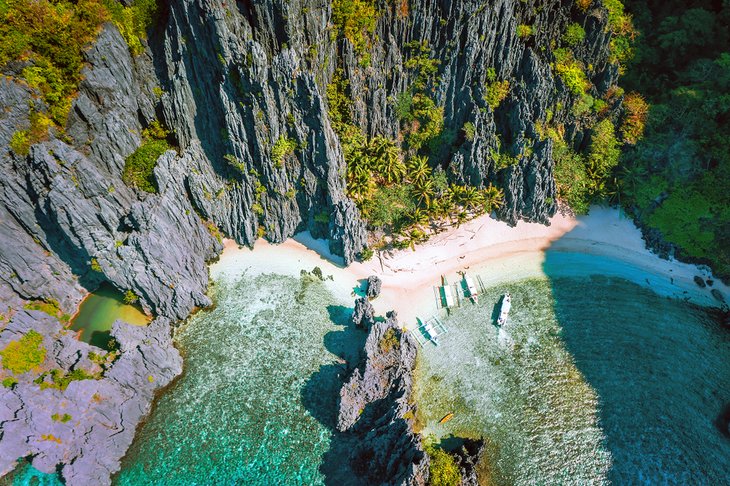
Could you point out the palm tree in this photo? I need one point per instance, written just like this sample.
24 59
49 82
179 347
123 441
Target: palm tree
493 198
423 190
418 169
630 176
471 197
419 217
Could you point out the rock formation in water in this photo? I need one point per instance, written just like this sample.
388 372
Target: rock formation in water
234 82
373 287
375 410
363 316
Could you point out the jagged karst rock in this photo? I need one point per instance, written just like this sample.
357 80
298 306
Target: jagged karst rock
373 286
363 316
375 410
104 412
467 458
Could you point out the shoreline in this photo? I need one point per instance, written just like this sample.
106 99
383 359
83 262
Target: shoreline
486 247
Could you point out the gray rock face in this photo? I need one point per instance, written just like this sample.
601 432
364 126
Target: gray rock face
363 316
375 411
104 413
374 285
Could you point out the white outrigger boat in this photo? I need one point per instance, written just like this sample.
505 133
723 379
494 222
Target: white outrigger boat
429 331
504 310
471 288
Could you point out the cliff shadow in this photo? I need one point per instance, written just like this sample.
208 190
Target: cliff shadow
321 392
659 366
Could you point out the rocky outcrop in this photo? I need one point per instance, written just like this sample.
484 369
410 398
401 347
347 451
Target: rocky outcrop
373 287
82 431
467 458
375 410
363 316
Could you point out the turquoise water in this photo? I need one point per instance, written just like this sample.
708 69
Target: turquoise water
258 391
593 380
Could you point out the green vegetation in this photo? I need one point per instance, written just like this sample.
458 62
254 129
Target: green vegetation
571 72
24 354
9 382
584 179
139 166
61 418
443 470
355 20
214 231
282 148
636 111
573 35
130 297
60 380
675 178
524 31
495 91
395 187
134 21
390 341
95 265
49 306
469 131
50 36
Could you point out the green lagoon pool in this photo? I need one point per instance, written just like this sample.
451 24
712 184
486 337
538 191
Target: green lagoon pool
98 312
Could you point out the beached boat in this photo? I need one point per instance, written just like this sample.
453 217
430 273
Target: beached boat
471 288
447 293
504 310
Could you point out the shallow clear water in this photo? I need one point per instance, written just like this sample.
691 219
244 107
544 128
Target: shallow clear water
593 379
260 382
98 312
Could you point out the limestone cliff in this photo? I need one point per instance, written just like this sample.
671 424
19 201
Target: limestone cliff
233 81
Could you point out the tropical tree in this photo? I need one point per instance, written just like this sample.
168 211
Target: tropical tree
418 169
493 198
423 190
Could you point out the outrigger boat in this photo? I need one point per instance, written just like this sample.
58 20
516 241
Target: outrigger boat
504 310
447 293
429 331
471 288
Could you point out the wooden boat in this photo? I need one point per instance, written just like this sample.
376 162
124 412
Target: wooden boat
446 418
471 288
504 310
447 293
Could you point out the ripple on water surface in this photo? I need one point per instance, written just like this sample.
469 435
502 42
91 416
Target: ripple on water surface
239 413
604 381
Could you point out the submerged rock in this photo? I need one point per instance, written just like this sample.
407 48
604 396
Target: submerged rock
700 281
376 413
373 287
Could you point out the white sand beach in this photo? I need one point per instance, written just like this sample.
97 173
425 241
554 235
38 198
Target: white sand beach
485 247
